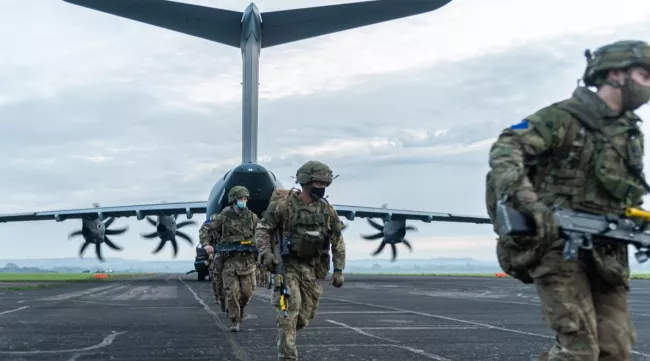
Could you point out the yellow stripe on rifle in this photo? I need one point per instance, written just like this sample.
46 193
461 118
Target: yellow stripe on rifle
638 213
247 242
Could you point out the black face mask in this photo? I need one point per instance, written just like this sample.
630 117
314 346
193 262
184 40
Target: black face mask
317 193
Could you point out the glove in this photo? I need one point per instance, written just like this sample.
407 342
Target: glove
268 260
526 201
337 279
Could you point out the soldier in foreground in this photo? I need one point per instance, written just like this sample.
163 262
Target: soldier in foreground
232 232
293 239
583 153
216 262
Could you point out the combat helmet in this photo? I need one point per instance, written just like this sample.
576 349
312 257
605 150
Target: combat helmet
237 192
314 170
618 55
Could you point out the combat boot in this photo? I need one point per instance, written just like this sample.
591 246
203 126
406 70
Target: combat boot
234 327
543 356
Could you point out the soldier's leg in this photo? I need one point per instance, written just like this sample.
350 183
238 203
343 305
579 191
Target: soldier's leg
219 277
567 305
616 333
311 292
245 292
215 289
231 288
286 340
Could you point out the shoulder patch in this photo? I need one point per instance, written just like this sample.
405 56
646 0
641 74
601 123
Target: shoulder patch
207 221
523 125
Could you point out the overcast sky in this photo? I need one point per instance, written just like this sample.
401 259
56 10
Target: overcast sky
96 108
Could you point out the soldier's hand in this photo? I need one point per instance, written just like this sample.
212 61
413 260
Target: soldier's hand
528 203
268 260
209 249
337 279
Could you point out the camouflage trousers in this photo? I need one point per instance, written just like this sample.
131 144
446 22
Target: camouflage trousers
590 317
262 276
305 294
239 291
216 268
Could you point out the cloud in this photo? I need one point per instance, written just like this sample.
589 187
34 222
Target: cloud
107 115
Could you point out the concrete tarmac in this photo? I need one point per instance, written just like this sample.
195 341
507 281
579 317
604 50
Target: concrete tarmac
379 318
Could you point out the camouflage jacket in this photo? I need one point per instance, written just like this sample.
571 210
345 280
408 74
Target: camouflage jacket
204 231
560 153
288 216
228 225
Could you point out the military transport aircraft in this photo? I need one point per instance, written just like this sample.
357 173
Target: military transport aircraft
250 31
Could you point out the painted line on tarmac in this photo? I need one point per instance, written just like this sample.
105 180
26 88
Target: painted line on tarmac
457 320
239 351
108 340
14 310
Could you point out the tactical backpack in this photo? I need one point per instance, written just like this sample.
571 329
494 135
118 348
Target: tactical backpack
314 249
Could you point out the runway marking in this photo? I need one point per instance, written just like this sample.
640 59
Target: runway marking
132 293
358 312
132 306
101 303
14 310
240 353
108 340
68 295
111 290
458 320
455 297
537 304
360 331
411 349
405 328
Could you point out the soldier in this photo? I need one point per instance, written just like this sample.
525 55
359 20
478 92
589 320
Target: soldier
234 228
305 225
216 262
583 153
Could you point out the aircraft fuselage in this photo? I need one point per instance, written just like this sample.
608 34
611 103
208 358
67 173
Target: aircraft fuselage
259 181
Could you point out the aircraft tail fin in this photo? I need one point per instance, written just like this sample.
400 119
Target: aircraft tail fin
285 26
218 25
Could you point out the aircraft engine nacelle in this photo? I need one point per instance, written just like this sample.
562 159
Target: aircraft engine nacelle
167 231
392 233
95 231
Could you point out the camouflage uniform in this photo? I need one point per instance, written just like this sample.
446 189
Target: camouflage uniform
311 229
558 156
236 227
216 263
262 276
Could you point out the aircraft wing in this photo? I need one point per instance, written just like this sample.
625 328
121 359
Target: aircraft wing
190 208
139 211
350 212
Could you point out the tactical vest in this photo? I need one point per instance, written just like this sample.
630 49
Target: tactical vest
236 228
588 173
306 228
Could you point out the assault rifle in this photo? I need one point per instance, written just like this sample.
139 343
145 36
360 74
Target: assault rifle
579 228
280 250
228 247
